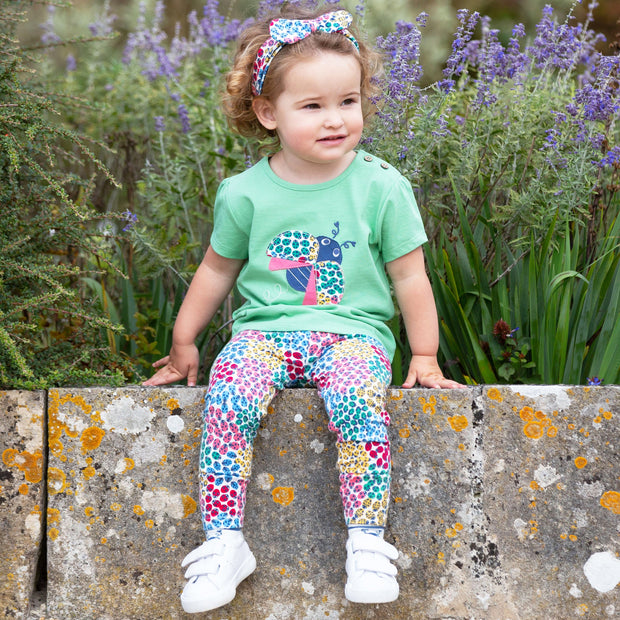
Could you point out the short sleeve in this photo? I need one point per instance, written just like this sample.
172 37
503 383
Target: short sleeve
400 222
230 236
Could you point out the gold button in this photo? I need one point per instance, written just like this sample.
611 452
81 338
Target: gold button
367 158
384 165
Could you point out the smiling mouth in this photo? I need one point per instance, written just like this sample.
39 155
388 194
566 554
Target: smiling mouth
333 138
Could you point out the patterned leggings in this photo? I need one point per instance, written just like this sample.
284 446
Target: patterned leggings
352 374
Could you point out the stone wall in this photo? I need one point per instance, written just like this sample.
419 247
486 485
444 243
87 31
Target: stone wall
505 505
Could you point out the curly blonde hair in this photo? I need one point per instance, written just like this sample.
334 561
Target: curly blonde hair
238 97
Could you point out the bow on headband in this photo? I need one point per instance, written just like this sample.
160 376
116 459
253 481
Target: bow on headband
287 31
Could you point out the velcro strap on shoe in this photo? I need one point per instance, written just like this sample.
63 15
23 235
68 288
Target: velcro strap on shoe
374 564
204 566
209 548
368 542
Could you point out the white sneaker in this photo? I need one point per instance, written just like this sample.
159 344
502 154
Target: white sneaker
371 575
216 568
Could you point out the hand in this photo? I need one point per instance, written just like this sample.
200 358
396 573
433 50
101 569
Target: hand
425 370
182 362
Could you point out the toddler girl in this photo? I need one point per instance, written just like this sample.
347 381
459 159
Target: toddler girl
307 235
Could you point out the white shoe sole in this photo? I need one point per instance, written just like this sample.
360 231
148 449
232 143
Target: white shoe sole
198 605
369 598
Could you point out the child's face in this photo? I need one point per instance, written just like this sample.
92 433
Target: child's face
318 115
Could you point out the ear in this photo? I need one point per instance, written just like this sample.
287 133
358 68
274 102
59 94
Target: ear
263 108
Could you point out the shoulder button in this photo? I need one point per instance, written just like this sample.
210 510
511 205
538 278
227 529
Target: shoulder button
384 165
367 158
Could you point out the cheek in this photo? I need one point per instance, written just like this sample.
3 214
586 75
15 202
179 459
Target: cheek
357 122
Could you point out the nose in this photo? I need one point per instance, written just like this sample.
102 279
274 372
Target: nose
333 118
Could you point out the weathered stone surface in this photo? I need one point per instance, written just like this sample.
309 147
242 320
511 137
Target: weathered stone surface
500 497
551 496
22 497
122 500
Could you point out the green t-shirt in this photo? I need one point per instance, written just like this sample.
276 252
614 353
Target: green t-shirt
315 254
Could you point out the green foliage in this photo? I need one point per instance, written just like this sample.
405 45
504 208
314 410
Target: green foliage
565 313
514 161
48 327
514 157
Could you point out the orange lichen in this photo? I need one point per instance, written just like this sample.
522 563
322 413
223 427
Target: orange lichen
283 495
8 457
495 394
91 438
30 464
398 396
172 404
129 465
552 431
458 422
115 506
428 406
611 501
53 515
53 533
189 505
404 432
23 489
526 414
55 426
533 430
580 462
138 510
56 481
451 532
88 472
149 523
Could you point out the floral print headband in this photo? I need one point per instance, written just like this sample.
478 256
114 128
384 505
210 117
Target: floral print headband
287 31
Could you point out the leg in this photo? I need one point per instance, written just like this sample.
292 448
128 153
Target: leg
243 381
352 376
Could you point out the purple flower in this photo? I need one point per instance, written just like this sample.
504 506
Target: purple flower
456 62
145 45
103 27
49 35
611 158
184 118
403 72
594 381
561 46
159 123
130 218
71 64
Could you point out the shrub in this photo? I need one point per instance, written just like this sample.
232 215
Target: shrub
49 329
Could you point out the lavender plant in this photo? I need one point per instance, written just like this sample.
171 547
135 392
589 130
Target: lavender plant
514 151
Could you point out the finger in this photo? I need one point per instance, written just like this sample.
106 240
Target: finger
168 374
162 362
192 376
410 381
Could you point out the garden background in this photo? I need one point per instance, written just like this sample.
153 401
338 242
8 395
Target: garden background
112 145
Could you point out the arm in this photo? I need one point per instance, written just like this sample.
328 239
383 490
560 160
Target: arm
417 305
210 285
